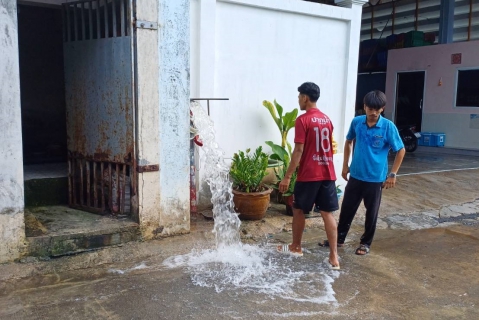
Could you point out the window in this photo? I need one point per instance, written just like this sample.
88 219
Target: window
467 90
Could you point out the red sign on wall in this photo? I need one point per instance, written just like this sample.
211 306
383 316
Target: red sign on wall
456 58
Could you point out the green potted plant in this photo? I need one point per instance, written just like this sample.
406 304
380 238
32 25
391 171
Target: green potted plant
284 123
250 195
339 192
280 154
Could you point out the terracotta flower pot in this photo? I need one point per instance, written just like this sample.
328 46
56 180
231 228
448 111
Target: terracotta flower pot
270 178
251 205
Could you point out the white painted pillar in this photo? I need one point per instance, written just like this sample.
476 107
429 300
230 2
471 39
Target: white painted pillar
12 226
174 116
207 49
352 64
147 121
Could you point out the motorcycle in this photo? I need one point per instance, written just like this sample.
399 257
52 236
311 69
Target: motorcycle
409 137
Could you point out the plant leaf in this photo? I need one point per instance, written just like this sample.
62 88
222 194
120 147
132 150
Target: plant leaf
289 119
268 105
279 108
279 151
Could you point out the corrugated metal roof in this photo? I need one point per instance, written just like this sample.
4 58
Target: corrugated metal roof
404 18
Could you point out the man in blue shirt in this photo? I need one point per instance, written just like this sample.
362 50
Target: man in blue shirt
368 173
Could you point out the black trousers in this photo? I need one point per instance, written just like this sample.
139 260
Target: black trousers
357 190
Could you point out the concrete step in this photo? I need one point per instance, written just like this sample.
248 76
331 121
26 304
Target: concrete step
46 192
58 230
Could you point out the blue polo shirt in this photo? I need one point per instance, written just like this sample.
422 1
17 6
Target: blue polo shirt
370 156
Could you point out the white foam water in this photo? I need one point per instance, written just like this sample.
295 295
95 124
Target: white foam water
137 267
239 267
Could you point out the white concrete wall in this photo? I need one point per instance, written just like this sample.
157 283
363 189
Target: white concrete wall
12 228
255 50
439 111
174 116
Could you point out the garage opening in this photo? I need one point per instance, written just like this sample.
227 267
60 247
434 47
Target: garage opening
77 99
43 105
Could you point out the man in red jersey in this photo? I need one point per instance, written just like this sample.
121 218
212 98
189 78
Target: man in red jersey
315 184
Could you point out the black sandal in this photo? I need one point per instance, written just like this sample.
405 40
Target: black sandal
362 248
325 243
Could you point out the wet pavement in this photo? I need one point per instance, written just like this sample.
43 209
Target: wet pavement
424 162
429 274
423 264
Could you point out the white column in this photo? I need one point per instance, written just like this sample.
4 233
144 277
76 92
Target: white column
207 49
12 226
174 116
147 121
352 64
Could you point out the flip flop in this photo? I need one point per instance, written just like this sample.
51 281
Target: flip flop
285 249
364 248
325 243
330 265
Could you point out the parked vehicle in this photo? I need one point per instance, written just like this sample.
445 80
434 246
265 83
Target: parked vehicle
409 137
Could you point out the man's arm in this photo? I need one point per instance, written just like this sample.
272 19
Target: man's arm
391 181
348 147
295 159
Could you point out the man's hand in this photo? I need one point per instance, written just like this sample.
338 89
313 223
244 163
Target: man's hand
284 184
389 183
344 173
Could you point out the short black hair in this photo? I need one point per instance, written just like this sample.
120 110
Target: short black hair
375 99
311 90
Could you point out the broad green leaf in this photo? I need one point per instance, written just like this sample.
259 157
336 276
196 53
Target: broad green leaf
277 150
289 119
279 108
272 110
274 156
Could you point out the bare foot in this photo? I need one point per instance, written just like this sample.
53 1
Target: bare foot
333 260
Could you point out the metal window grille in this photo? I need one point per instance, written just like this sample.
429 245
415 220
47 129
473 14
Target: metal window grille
96 19
99 186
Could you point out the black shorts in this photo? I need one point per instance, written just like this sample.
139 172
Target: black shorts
322 194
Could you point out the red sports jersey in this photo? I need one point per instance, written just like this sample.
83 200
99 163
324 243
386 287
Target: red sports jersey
315 130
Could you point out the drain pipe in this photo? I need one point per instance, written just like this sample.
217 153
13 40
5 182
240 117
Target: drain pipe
196 140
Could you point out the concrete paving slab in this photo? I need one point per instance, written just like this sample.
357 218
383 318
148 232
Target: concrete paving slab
59 230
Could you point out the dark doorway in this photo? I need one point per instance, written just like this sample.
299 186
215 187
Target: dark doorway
40 41
409 99
368 82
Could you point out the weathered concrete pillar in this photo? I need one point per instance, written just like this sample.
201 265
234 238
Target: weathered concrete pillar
147 122
174 115
12 227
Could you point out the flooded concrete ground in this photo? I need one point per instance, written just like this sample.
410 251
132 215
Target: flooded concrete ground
424 264
409 274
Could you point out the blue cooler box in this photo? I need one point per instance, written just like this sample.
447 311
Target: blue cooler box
426 139
439 139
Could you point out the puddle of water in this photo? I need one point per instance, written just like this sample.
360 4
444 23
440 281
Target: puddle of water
246 269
